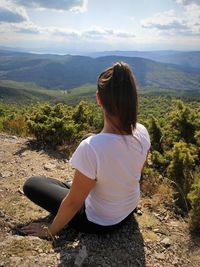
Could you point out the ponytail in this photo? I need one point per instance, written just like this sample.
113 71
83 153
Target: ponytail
118 94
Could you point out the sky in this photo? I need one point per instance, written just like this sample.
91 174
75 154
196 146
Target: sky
82 26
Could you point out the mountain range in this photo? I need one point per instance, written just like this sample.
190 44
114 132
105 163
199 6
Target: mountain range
69 71
182 58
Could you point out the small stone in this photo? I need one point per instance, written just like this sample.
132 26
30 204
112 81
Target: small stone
5 174
158 216
174 224
24 154
167 217
15 261
82 255
61 167
20 192
166 242
139 212
2 214
160 256
175 262
49 166
146 250
40 250
32 238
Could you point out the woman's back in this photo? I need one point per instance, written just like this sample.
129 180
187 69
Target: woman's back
115 161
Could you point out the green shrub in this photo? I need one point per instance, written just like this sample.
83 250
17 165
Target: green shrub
182 123
61 124
52 124
194 197
158 160
182 163
156 135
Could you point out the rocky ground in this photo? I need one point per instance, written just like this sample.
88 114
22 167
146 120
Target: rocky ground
153 237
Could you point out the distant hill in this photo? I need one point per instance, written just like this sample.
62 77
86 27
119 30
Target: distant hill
67 72
18 92
186 59
24 93
11 91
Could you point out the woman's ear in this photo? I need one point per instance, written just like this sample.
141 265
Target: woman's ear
98 99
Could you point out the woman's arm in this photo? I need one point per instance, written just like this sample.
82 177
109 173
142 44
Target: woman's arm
70 205
79 190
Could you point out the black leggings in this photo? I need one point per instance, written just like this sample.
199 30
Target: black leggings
48 193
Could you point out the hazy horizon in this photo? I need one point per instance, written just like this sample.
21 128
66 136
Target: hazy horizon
46 51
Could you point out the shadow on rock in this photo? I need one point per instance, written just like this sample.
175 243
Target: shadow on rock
123 247
58 152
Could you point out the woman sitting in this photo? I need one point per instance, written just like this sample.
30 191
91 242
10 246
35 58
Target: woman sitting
108 166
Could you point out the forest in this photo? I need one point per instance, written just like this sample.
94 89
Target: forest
173 170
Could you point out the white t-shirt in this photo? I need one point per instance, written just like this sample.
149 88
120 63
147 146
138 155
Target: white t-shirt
115 161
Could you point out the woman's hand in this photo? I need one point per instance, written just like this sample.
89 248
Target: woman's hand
36 229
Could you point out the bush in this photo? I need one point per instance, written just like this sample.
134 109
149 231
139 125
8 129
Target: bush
157 187
16 126
150 181
158 160
156 135
182 123
52 124
194 197
61 124
182 163
88 117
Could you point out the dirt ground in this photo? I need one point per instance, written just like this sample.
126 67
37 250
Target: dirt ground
153 237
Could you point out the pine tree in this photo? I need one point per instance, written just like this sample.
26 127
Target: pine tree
156 135
183 122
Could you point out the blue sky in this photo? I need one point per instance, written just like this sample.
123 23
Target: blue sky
81 26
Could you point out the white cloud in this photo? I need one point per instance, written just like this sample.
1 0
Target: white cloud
72 5
170 23
165 21
61 32
94 33
188 2
124 34
27 28
10 13
98 33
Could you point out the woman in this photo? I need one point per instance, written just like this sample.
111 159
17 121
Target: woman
108 166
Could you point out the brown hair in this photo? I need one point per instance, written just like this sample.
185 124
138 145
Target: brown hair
118 95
